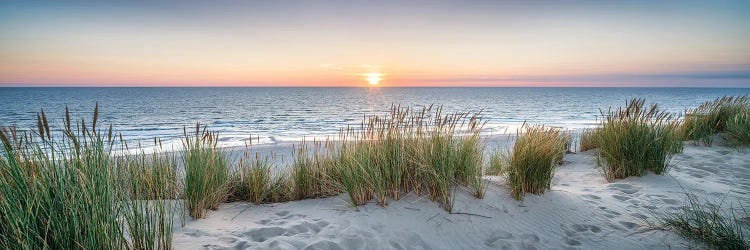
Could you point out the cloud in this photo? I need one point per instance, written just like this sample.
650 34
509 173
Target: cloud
725 78
725 75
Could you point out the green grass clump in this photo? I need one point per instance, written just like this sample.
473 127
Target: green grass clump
497 163
282 189
636 139
151 176
738 129
529 168
151 185
711 117
65 191
310 172
707 224
206 172
588 140
350 172
255 182
149 222
424 152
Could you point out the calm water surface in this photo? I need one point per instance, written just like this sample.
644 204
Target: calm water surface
287 114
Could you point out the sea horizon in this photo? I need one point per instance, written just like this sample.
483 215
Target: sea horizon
378 87
276 115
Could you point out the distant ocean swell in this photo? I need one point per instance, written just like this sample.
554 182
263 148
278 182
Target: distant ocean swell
287 115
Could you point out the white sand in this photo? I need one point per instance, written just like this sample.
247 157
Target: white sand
582 210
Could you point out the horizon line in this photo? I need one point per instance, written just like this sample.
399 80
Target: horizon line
351 86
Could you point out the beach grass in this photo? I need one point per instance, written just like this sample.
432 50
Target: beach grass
309 174
149 222
150 176
711 117
707 223
636 139
738 129
253 180
207 171
282 188
64 191
350 172
421 151
530 166
497 162
152 196
71 190
588 140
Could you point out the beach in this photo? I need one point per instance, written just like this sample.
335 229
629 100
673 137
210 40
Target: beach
581 211
159 125
409 178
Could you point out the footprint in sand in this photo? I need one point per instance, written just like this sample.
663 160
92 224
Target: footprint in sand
576 232
590 198
629 225
504 240
283 213
278 244
572 242
323 244
620 197
624 188
263 234
609 213
306 227
498 237
583 228
227 240
284 231
529 238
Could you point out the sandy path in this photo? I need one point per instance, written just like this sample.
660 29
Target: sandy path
582 211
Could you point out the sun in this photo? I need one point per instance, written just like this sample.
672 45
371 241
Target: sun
373 78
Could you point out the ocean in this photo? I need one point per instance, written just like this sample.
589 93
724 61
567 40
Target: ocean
277 115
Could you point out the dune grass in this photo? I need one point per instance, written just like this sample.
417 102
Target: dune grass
636 139
207 172
64 191
151 176
707 223
738 129
309 174
711 117
256 181
149 223
588 140
69 190
530 166
497 162
151 200
420 151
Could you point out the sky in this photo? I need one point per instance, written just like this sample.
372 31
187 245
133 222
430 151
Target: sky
388 43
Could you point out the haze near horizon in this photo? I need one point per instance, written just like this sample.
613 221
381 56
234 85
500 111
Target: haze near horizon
375 43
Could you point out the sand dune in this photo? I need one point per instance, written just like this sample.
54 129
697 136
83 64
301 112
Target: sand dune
582 210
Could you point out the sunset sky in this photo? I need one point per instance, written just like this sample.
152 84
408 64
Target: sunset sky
393 43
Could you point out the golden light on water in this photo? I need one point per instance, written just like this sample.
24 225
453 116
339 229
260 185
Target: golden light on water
373 78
